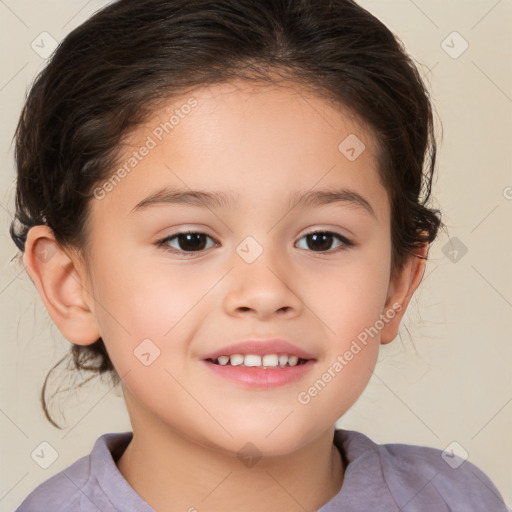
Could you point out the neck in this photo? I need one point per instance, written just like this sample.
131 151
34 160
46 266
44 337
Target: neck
173 473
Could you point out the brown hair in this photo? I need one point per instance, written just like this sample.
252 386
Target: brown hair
108 75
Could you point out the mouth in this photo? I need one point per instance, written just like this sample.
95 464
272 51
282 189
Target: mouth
260 364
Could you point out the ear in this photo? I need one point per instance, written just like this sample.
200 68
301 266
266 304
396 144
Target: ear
402 286
59 282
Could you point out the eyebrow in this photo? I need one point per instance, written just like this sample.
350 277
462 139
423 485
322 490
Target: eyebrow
210 199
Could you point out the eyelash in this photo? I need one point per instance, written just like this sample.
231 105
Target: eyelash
346 243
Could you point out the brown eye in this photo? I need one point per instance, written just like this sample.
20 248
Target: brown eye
186 242
322 241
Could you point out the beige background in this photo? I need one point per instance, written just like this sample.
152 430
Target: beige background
448 380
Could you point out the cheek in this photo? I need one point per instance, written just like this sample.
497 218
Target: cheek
146 327
353 294
351 303
137 302
351 311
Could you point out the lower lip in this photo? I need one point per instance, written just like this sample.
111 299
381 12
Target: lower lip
260 377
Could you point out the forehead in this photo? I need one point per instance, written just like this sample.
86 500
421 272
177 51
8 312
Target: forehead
257 140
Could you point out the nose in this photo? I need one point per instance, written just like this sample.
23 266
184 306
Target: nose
262 289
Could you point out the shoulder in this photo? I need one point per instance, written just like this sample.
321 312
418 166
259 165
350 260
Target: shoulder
79 486
423 475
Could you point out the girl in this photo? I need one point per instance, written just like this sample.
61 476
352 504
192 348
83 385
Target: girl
223 205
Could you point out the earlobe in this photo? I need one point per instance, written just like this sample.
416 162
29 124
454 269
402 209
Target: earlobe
59 283
401 289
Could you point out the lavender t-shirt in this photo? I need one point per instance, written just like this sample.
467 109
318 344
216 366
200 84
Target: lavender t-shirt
380 478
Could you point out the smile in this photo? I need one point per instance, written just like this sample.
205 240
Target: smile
259 361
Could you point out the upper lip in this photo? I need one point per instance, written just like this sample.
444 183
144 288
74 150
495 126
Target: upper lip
260 347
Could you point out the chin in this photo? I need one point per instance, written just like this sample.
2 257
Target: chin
262 441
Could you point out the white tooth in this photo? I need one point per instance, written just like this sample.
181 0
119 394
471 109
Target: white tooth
270 360
237 359
283 359
252 360
293 360
223 360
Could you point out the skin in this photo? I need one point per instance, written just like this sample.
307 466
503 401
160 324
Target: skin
259 142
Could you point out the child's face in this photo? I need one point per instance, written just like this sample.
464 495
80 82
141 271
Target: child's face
261 146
